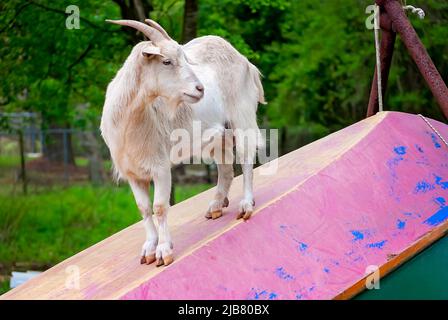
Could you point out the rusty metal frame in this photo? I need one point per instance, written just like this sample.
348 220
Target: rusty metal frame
394 20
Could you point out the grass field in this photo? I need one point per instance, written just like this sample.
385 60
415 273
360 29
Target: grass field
45 228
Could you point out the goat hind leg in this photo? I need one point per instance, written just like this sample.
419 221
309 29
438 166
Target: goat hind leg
247 204
225 177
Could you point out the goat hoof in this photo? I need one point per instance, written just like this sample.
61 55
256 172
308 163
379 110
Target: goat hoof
159 262
216 214
214 210
246 209
168 260
143 260
247 215
150 259
244 215
165 261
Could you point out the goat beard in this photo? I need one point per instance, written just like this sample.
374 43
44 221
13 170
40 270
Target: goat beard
172 105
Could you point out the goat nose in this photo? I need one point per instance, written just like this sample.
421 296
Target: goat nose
200 87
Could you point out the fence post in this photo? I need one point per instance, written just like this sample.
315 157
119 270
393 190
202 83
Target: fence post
22 163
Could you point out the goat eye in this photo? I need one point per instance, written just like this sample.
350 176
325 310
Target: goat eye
166 62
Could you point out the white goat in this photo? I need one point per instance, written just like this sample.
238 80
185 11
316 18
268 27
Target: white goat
164 86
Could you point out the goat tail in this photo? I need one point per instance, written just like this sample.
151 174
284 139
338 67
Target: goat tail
256 75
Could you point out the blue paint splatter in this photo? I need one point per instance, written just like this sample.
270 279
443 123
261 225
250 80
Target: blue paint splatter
423 187
272 296
312 288
419 148
326 270
439 182
401 224
440 201
281 273
435 141
257 295
377 245
438 217
357 234
303 246
401 150
412 214
299 296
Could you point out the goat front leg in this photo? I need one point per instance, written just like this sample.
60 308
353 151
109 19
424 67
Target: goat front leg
140 190
248 203
225 177
162 190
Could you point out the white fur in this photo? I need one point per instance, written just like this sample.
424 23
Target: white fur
147 100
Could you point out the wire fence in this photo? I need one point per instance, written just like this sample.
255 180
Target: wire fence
39 158
32 159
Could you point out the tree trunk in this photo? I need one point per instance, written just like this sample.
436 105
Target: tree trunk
134 10
190 26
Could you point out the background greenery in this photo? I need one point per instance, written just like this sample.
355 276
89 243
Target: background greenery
317 58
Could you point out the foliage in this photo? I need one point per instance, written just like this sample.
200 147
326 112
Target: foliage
53 70
317 57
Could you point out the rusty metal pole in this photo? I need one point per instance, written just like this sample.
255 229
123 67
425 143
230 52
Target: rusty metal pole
417 51
388 37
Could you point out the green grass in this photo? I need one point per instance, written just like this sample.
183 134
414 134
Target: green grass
9 161
84 162
48 227
81 161
4 286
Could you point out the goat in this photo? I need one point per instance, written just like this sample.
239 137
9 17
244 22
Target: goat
164 86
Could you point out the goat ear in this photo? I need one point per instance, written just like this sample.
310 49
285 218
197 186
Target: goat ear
150 51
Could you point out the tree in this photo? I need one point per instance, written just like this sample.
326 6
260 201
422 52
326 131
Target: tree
190 24
134 10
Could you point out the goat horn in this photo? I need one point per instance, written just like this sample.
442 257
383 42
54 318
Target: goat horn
158 27
153 34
